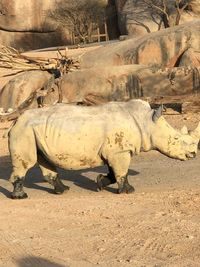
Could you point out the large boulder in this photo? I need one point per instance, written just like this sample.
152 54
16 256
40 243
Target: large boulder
26 16
160 49
195 6
121 83
18 89
95 86
24 41
26 25
190 58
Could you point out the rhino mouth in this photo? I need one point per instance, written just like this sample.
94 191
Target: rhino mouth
191 155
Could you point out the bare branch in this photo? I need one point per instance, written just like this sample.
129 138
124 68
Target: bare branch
80 17
165 10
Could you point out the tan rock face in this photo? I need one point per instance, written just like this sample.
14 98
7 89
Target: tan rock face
25 16
195 6
25 41
25 24
160 49
121 83
18 89
190 58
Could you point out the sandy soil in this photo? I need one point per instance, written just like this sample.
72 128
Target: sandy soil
156 226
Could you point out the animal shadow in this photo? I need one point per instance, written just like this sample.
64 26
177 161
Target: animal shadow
34 178
79 179
5 172
37 261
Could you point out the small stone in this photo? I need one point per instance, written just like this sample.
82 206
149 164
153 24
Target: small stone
101 249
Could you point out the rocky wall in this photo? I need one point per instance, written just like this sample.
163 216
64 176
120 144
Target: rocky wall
159 49
25 24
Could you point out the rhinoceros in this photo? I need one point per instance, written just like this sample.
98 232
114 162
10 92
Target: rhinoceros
78 137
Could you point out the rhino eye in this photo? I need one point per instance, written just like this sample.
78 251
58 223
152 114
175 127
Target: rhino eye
176 137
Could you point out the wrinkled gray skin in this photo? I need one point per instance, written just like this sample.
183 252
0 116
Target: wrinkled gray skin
79 137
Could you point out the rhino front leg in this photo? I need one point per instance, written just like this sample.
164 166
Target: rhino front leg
124 186
105 180
18 192
50 175
120 164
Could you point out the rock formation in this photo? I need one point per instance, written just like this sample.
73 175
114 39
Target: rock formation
121 83
25 24
190 58
18 89
159 49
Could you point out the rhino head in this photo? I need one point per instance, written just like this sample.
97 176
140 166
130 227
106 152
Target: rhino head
175 144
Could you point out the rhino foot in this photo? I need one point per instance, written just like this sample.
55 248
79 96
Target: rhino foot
126 190
18 192
124 186
103 181
59 187
100 186
18 195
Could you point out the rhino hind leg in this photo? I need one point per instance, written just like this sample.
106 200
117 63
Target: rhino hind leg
58 185
17 177
50 175
120 164
105 180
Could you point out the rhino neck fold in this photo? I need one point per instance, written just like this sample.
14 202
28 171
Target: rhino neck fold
146 143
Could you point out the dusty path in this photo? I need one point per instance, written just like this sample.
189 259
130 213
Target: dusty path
158 225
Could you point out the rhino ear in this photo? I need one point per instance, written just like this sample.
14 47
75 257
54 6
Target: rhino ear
196 132
184 130
157 114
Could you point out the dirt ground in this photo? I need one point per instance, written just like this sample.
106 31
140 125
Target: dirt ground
158 225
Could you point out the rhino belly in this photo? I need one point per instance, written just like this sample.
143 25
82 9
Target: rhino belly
69 162
71 157
69 146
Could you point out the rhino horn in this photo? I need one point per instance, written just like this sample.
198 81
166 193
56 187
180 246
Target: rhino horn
184 130
196 132
157 113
